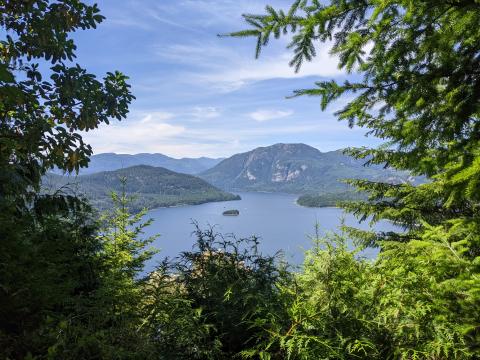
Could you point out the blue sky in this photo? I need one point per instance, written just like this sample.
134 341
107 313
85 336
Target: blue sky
201 95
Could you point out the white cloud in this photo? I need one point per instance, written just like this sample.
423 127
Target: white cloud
265 115
144 133
264 130
179 65
194 16
224 68
277 67
211 12
139 132
156 117
205 112
151 132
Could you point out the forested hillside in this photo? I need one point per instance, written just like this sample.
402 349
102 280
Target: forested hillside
150 187
329 199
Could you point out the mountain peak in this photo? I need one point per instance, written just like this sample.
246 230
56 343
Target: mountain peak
296 168
281 151
288 146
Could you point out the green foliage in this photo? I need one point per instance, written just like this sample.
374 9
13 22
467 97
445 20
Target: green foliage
411 93
108 324
332 199
177 328
121 236
49 265
418 300
233 285
418 88
48 270
42 111
151 187
71 283
427 295
330 312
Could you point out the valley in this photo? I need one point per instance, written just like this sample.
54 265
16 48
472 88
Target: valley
157 180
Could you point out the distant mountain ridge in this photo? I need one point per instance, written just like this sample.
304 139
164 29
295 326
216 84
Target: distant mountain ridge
294 168
152 187
112 161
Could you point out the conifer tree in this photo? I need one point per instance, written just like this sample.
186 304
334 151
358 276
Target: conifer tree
115 312
418 89
419 92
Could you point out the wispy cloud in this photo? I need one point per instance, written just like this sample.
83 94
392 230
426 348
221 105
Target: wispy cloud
189 15
157 117
265 115
205 112
141 131
223 68
209 13
198 94
163 132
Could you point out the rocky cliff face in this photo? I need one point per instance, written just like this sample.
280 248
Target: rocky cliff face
296 168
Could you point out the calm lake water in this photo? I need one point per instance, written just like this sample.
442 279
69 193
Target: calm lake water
280 223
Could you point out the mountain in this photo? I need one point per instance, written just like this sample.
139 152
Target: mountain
152 187
112 161
294 168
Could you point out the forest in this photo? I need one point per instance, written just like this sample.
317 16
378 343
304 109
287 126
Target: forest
147 186
72 284
334 199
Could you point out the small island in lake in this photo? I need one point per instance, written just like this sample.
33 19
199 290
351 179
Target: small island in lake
231 213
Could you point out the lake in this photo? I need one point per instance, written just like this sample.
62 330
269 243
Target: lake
280 223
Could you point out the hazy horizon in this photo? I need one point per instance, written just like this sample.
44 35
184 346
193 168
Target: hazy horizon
204 156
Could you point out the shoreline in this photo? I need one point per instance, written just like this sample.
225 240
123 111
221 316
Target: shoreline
200 203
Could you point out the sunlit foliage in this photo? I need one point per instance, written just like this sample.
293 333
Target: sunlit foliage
417 86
